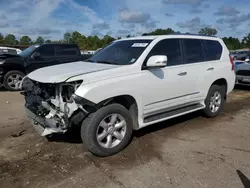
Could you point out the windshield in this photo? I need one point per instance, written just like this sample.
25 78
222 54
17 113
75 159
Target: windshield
121 52
28 51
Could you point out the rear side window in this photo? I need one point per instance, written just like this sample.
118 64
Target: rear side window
46 50
213 50
67 50
169 47
194 51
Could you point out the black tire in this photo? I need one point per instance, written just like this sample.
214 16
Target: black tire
90 126
6 77
213 89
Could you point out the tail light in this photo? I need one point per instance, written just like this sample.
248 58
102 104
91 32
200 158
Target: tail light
232 62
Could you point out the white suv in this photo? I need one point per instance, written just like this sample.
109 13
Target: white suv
128 85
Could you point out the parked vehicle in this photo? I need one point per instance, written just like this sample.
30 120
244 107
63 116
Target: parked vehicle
247 57
14 67
242 54
243 73
234 55
8 50
130 84
247 60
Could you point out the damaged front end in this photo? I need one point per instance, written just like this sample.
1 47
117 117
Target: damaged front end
53 108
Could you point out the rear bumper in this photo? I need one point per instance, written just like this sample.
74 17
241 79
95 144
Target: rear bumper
1 78
242 80
42 125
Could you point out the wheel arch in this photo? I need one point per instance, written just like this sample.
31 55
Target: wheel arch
221 82
129 102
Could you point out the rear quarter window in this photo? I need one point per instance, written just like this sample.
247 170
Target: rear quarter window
67 50
213 50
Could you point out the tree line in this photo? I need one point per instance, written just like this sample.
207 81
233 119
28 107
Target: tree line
94 42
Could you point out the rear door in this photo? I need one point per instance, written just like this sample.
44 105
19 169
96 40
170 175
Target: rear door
68 53
47 58
196 67
218 67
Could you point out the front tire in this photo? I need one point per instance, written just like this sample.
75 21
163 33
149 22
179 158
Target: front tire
12 80
215 101
108 130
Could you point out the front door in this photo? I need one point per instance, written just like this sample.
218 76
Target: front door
172 85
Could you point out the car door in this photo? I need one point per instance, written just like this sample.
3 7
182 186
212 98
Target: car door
215 66
46 58
169 86
199 65
67 53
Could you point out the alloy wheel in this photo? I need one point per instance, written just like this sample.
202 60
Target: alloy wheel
111 131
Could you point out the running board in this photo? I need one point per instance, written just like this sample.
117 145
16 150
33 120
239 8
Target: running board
173 112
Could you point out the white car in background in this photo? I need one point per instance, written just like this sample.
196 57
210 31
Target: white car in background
9 50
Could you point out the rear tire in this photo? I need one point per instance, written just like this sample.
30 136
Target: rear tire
215 101
12 80
108 130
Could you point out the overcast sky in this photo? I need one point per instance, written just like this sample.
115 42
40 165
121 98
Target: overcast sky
52 18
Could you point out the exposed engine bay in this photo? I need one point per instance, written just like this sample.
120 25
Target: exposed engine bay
52 106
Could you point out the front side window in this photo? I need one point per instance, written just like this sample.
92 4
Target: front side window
194 50
170 48
124 52
46 51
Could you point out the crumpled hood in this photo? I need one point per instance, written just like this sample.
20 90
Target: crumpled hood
62 72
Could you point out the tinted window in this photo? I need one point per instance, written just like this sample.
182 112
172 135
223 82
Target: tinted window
122 52
169 47
66 50
46 50
213 50
194 50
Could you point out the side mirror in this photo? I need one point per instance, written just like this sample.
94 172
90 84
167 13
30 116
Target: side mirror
157 61
35 55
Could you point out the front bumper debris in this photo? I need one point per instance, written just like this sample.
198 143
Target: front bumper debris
42 125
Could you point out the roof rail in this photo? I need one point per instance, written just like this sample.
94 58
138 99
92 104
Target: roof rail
192 34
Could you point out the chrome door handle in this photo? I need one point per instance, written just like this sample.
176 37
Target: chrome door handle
182 73
211 68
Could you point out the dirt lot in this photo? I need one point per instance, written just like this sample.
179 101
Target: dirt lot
191 151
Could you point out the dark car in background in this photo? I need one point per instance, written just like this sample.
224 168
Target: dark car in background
14 67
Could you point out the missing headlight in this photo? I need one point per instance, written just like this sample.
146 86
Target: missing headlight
68 90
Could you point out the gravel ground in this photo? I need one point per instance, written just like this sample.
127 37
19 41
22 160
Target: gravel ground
190 152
